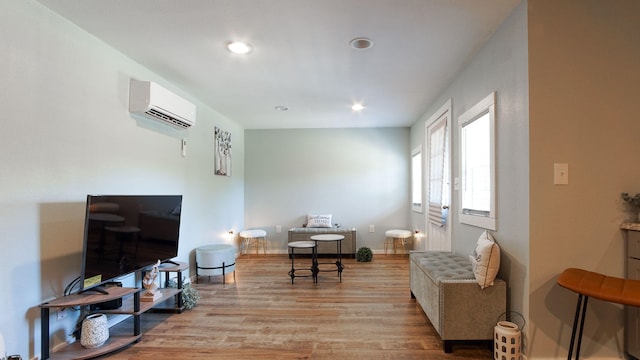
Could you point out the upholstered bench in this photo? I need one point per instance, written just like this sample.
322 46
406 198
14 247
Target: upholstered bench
448 292
348 244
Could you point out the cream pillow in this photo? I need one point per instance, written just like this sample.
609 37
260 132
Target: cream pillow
485 260
319 221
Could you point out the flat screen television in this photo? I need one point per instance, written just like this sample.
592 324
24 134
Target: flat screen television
125 233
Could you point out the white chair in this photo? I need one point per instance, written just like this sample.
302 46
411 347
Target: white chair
253 238
396 238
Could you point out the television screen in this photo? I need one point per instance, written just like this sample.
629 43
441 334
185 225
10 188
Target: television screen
124 233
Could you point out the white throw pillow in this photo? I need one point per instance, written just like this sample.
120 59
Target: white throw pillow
485 260
319 221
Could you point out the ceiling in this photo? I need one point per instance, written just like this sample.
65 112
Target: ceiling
301 56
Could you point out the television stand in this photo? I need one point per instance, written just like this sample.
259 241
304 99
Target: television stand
175 305
131 306
100 289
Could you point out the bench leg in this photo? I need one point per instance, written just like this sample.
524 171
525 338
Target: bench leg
448 346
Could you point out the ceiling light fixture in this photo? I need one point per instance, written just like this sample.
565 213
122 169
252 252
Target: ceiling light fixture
361 43
357 107
281 108
238 47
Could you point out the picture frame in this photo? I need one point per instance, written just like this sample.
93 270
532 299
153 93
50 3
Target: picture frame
222 152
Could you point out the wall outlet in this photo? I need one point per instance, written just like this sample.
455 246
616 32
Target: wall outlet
278 228
372 228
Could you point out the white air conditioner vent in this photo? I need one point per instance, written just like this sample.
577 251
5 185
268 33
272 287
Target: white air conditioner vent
170 119
155 102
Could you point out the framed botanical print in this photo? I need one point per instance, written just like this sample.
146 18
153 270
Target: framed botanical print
222 152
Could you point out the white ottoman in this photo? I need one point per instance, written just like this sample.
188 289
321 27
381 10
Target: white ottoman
394 237
255 238
216 259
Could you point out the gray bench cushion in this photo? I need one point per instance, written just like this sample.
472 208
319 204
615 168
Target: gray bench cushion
441 266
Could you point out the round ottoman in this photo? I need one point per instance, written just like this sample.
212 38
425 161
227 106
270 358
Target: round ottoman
394 237
216 259
255 238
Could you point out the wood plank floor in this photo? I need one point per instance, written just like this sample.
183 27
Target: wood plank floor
370 315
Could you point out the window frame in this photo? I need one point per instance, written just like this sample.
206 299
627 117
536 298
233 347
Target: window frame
480 219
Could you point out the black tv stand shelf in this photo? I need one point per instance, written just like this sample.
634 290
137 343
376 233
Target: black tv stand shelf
131 306
175 304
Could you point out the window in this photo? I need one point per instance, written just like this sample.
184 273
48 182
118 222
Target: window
477 164
438 171
416 179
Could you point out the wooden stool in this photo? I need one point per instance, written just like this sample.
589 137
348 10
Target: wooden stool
395 236
255 238
590 284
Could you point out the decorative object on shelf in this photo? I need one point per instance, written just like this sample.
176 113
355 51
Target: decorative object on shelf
222 153
633 203
364 254
95 331
190 296
149 283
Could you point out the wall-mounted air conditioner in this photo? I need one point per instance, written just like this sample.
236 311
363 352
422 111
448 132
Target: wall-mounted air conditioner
150 100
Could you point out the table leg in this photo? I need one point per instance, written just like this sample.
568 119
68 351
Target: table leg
314 263
293 270
339 261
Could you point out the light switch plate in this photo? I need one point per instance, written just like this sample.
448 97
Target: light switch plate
183 148
561 174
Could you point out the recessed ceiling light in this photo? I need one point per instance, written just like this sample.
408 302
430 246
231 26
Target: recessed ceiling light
357 107
282 108
238 47
361 43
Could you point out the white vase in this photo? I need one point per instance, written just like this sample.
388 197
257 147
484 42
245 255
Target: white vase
95 331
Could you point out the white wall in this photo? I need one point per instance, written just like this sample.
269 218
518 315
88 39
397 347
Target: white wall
66 132
361 176
501 66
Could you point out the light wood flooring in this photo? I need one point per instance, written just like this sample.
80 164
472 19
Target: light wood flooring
370 315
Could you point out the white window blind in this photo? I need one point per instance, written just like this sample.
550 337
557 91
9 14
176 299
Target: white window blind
416 179
438 173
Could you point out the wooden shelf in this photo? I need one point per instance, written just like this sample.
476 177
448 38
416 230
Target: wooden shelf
90 297
77 351
170 304
179 266
128 305
170 300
